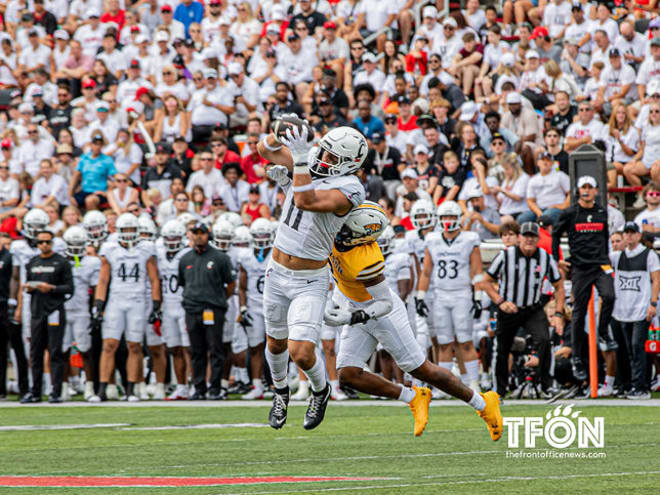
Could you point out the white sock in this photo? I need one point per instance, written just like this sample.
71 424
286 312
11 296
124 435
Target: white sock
316 374
448 365
243 373
224 383
303 385
472 370
334 384
407 394
465 378
477 401
258 385
609 381
278 364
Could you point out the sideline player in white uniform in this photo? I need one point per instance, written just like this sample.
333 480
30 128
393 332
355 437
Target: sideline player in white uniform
153 330
400 276
96 226
22 251
127 263
371 313
85 276
452 265
323 191
173 247
252 265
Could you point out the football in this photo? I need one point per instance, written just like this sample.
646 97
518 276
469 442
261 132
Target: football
288 121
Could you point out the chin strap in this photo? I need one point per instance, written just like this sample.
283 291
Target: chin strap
76 261
260 256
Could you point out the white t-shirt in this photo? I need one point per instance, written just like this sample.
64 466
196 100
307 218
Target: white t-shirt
556 17
56 187
614 151
550 189
9 189
509 206
376 12
650 217
632 288
651 139
90 39
649 70
613 80
594 128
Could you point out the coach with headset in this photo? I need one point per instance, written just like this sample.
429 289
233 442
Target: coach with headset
208 281
585 223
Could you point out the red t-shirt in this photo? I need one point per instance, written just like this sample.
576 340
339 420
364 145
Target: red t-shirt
247 166
407 223
118 19
230 156
408 126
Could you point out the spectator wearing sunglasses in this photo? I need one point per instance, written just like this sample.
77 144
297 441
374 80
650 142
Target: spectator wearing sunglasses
649 218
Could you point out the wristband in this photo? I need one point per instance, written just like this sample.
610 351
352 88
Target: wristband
477 278
264 141
498 304
12 302
654 303
421 294
300 168
306 187
242 308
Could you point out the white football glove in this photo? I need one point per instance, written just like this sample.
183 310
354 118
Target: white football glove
296 141
335 317
279 173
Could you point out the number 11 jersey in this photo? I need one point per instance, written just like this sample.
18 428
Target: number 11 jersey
451 260
307 234
128 268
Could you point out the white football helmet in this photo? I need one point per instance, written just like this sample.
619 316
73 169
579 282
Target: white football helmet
223 233
449 209
76 239
232 217
263 233
96 225
242 237
128 229
185 218
147 228
364 224
386 240
346 150
422 214
34 222
174 236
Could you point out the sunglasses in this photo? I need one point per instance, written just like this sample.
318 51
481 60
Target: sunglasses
449 28
198 79
655 111
120 180
44 241
167 73
181 199
497 143
4 168
584 110
253 143
218 202
206 159
653 194
32 133
134 210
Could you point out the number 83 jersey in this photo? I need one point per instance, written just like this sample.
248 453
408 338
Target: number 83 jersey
451 260
128 268
308 234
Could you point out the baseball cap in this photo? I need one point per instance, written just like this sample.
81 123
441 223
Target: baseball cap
25 107
141 38
425 117
163 147
513 98
576 6
571 41
89 83
234 68
653 87
403 100
497 135
508 59
430 11
61 34
475 192
369 57
162 36
329 25
420 148
254 190
94 12
166 8
215 2
200 226
587 179
631 227
655 23
33 32
225 21
529 228
273 28
377 137
409 173
135 64
210 74
468 110
277 13
538 32
531 54
102 106
614 52
450 21
142 90
135 29
6 143
545 220
293 37
64 149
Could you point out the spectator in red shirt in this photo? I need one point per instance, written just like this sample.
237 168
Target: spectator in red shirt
417 59
114 14
545 235
254 207
222 153
252 165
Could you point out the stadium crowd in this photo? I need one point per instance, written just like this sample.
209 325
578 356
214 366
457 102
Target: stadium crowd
156 108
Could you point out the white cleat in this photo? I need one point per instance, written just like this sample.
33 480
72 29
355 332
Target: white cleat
65 396
180 393
93 399
159 392
112 392
438 394
254 394
302 393
337 394
89 390
604 391
142 391
133 398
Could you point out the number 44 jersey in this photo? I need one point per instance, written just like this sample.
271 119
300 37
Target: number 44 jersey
451 260
310 235
128 268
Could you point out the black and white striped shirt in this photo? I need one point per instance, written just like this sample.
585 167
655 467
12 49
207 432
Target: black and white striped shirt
520 277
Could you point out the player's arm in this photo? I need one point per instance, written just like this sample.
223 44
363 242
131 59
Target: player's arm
425 275
101 292
405 285
321 201
274 152
154 279
242 287
380 305
476 266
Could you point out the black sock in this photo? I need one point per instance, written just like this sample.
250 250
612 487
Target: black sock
282 391
130 387
102 387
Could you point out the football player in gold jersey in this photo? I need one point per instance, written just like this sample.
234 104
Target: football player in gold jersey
372 313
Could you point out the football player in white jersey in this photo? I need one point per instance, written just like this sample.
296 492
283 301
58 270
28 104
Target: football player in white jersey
174 246
22 251
400 276
324 189
252 265
85 276
452 260
96 226
128 264
153 331
371 313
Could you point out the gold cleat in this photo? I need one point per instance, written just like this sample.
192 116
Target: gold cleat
420 408
492 415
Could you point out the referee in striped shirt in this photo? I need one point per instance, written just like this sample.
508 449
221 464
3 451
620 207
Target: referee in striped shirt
519 271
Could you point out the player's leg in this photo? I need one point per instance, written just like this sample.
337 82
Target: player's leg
256 336
135 333
328 337
79 324
239 349
158 360
174 332
114 324
463 324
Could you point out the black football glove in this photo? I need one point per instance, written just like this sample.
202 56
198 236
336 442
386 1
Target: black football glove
244 318
359 316
476 309
97 311
156 314
421 307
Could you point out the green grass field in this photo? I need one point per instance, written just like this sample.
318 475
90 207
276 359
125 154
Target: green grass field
455 455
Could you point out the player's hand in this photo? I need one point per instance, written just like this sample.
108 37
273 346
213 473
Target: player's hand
476 309
335 317
421 307
280 174
155 315
358 317
296 141
97 312
244 318
508 307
